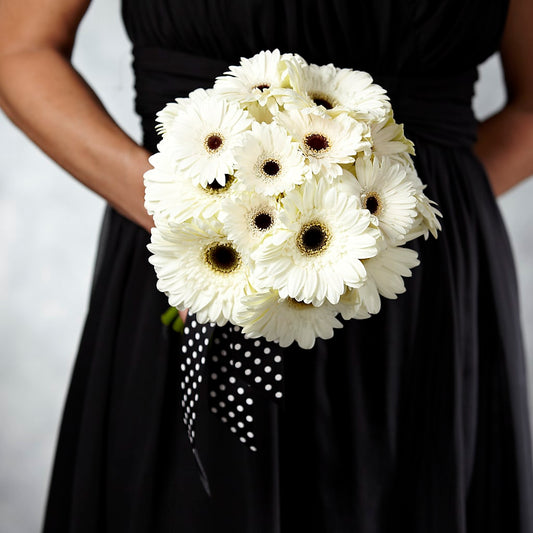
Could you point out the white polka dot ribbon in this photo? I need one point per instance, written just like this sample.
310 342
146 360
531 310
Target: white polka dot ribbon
238 370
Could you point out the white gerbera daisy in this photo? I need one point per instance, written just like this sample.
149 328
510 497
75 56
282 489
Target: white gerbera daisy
293 70
166 116
385 273
318 246
261 78
360 302
426 221
285 320
366 99
347 183
204 136
247 219
387 139
168 193
326 142
335 90
259 113
388 195
388 268
269 161
198 268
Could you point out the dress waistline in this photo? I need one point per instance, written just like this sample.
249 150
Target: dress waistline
436 109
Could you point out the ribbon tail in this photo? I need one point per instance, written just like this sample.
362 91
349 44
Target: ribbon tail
203 475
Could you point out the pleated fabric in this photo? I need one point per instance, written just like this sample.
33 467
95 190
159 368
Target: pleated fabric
416 418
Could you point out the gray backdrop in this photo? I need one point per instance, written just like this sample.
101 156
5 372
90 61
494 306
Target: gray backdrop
49 227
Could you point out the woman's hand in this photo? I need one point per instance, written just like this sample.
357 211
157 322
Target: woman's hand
183 315
506 139
42 94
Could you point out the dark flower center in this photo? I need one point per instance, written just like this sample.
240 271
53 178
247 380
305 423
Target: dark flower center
313 238
372 203
263 221
215 188
222 258
271 167
321 99
262 86
316 142
213 142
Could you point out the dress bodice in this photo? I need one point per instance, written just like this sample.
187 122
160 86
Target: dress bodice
425 57
382 36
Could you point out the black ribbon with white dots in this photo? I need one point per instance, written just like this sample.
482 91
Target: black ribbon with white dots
237 369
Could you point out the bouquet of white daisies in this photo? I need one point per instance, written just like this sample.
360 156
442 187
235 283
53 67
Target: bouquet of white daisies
283 197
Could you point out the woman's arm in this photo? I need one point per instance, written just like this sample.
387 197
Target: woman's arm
505 144
42 94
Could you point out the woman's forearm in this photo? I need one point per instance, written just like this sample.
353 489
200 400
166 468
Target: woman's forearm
42 94
505 146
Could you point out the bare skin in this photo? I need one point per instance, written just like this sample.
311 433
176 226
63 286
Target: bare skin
43 95
505 144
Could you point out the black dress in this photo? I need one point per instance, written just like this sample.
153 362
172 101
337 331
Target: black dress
415 418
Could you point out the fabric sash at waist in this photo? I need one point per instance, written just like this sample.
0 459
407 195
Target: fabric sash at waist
437 110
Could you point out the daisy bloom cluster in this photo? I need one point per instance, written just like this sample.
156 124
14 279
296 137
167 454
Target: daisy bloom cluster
283 198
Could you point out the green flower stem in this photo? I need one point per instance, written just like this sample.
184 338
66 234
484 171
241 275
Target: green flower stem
169 316
178 325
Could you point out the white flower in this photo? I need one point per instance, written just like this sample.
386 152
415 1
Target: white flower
326 142
204 136
259 113
347 183
261 78
269 162
385 272
426 221
199 269
388 268
293 73
336 90
247 219
367 99
429 213
387 138
318 246
166 116
285 320
360 302
170 194
389 196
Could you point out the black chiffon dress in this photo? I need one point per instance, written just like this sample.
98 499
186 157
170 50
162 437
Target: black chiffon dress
416 418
